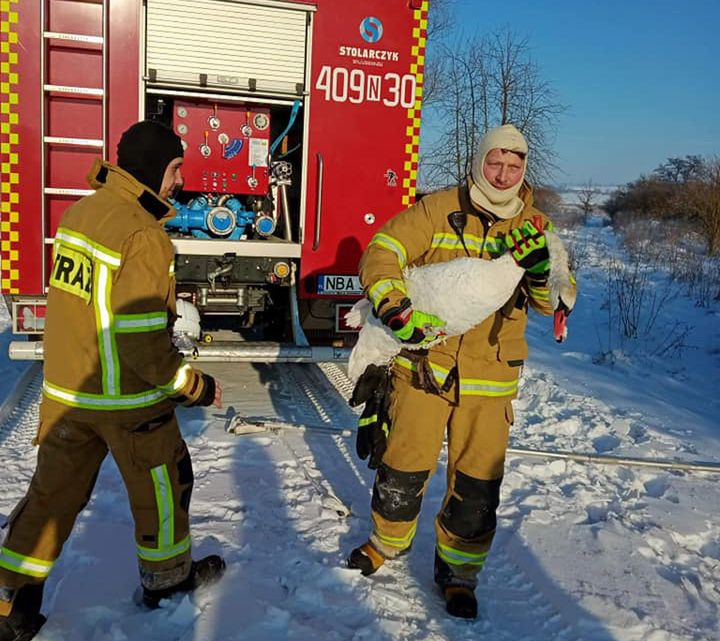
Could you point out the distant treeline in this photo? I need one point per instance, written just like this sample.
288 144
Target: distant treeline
685 188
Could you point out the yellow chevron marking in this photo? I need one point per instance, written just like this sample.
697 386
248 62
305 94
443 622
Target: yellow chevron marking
9 150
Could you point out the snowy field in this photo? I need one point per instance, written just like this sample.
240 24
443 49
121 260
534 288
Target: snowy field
584 551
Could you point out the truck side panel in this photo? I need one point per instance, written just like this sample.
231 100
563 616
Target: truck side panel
20 229
367 79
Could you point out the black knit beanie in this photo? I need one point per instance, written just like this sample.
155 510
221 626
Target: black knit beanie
146 149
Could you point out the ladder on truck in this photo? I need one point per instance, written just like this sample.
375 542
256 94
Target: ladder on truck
84 46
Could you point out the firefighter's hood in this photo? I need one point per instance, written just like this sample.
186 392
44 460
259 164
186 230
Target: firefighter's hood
504 203
103 174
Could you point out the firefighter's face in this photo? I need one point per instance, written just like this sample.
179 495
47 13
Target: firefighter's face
503 169
172 180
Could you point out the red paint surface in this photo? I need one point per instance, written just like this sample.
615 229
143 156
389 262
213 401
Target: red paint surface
216 173
359 140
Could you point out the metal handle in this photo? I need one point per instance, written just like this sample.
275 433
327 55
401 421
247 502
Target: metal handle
318 207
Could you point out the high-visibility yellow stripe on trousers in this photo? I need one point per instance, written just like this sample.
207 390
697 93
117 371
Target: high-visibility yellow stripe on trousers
166 547
22 564
454 556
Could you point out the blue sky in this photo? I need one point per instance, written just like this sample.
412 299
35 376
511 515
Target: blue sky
640 78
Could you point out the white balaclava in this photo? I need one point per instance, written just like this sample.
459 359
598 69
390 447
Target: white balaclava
504 203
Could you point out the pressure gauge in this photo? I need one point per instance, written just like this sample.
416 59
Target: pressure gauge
205 151
182 128
246 130
223 138
214 122
181 112
261 121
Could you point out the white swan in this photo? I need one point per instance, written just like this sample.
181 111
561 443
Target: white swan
463 292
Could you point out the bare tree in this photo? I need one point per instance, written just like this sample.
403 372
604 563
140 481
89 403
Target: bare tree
486 81
701 200
587 199
680 170
440 23
547 198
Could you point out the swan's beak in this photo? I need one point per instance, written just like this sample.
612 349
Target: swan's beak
560 325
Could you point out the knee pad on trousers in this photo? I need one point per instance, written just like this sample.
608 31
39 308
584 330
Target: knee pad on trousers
397 495
473 513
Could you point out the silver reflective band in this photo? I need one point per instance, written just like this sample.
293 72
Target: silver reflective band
80 241
99 401
27 565
157 554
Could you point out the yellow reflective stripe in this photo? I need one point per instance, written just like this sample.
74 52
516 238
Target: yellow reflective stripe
459 557
101 401
539 293
362 422
131 323
443 240
383 287
480 387
171 270
27 565
393 244
178 381
440 373
478 244
447 241
165 507
96 250
163 554
109 360
398 542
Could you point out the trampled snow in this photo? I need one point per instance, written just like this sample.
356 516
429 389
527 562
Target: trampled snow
584 551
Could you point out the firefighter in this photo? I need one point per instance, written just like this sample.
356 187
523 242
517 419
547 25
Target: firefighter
465 384
112 381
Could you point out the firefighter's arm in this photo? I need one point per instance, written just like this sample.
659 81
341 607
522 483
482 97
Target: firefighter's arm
143 295
537 285
401 241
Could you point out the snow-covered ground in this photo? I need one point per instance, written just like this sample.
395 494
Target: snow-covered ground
584 551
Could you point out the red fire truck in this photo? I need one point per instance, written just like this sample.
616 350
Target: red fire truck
300 122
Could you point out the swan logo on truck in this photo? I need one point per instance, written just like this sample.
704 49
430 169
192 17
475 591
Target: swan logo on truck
371 29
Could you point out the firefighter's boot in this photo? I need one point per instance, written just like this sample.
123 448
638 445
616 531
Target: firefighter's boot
459 593
366 558
24 620
204 572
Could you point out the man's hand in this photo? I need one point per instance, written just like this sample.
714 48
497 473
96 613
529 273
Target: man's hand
528 247
412 326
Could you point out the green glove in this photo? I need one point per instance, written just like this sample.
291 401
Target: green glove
528 247
412 326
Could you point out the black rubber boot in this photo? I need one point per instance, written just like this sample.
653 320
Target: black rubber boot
366 558
459 594
460 601
25 619
203 572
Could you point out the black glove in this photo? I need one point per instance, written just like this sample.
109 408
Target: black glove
373 388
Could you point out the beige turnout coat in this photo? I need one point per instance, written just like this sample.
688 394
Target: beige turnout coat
485 361
111 304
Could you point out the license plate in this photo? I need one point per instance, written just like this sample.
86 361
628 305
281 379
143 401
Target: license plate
338 285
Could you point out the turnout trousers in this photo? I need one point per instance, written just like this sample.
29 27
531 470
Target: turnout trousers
477 435
155 466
